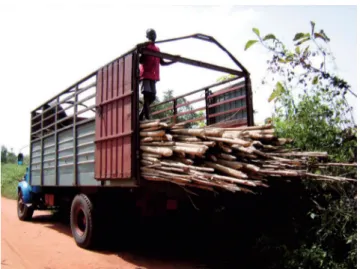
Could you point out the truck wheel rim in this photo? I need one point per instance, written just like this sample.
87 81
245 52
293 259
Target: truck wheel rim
80 222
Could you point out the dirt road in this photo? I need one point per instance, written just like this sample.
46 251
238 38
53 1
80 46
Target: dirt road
48 244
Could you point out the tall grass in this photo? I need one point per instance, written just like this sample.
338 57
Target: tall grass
10 174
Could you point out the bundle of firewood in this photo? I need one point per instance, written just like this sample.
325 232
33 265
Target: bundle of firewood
234 159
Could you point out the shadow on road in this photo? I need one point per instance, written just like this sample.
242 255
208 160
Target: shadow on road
158 243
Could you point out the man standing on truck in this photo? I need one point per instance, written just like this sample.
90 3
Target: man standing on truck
150 74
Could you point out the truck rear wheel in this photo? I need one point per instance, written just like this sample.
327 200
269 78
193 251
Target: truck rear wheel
24 212
82 221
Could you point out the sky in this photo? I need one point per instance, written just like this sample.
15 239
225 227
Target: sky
48 46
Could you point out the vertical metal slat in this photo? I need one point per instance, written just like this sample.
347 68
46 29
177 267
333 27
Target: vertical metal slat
42 150
207 105
174 110
249 104
56 143
75 136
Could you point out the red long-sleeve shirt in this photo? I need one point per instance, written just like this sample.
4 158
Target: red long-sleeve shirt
150 66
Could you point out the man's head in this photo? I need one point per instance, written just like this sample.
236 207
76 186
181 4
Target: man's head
151 34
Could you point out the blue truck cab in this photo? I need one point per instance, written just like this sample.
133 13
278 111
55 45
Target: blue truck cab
25 196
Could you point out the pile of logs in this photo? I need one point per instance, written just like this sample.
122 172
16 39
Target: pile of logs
234 159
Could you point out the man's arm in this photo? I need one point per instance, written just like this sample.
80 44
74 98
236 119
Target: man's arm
163 62
141 60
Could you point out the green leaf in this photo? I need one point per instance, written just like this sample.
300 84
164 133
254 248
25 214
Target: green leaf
315 80
306 51
279 89
297 50
298 36
250 43
312 215
282 61
302 41
312 27
256 31
269 36
322 36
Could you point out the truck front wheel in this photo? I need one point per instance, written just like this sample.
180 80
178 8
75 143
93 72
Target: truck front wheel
82 221
24 212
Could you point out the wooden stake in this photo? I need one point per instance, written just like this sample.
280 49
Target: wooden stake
226 170
157 150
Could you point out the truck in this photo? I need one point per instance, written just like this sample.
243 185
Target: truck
85 143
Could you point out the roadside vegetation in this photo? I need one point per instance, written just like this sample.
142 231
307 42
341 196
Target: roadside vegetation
11 172
311 107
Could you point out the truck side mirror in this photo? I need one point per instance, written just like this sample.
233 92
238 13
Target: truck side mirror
20 159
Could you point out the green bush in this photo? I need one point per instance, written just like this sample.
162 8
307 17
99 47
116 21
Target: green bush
10 174
312 109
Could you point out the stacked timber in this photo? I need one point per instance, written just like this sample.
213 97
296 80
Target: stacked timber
234 159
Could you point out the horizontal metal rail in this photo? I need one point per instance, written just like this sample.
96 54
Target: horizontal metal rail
58 103
116 98
211 40
86 99
190 111
177 106
66 156
196 91
228 101
86 135
79 154
86 109
237 122
192 62
72 164
194 120
67 90
163 110
64 128
227 112
113 136
224 91
191 102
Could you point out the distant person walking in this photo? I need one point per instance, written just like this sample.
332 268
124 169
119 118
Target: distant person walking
150 74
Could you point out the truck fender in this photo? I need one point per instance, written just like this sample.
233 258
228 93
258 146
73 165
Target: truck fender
26 191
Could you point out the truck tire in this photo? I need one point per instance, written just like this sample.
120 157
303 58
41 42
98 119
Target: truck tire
24 212
82 221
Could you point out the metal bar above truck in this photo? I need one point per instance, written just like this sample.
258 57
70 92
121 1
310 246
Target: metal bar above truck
193 62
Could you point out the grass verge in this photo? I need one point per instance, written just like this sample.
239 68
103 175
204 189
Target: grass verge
10 174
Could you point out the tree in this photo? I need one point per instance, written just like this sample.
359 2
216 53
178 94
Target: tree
311 107
9 156
309 95
3 154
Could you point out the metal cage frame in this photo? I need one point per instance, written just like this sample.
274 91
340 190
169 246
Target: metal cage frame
54 104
